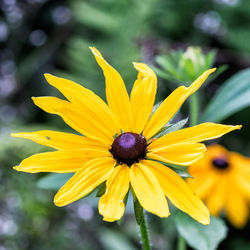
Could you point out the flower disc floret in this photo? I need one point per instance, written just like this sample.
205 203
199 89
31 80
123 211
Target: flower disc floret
220 163
129 148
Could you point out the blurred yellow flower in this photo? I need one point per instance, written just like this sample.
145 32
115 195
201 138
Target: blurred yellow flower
222 180
117 145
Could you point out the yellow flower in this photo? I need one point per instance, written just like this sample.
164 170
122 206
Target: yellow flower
222 180
117 145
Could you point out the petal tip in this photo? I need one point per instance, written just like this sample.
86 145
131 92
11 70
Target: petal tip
205 221
140 66
15 134
58 202
238 126
17 168
48 76
34 99
95 51
135 64
165 214
91 48
109 219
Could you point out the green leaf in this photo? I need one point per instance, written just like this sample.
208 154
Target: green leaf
232 97
54 181
218 72
198 236
113 240
155 107
180 170
168 128
163 74
177 126
101 190
183 173
210 58
138 210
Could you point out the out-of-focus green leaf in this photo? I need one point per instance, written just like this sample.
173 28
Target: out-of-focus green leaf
210 58
94 17
184 66
198 236
54 181
233 96
218 72
113 240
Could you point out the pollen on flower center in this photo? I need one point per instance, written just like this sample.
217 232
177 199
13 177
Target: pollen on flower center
220 163
129 148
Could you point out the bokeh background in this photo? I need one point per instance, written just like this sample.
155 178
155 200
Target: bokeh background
38 36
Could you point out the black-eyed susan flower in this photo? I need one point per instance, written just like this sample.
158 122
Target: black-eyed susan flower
222 180
116 144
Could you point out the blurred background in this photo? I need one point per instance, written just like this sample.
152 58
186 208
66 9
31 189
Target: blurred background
38 36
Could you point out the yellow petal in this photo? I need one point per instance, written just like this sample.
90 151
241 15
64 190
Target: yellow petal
85 180
237 209
180 154
111 205
203 185
171 105
81 120
243 183
178 192
202 167
202 132
241 173
148 190
59 140
142 97
65 161
240 163
85 100
217 198
116 93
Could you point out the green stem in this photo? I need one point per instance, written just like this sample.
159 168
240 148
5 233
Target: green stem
194 109
141 221
181 244
144 233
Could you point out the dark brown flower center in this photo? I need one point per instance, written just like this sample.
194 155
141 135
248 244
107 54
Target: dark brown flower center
220 163
129 148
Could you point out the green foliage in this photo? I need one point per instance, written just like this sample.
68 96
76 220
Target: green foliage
185 66
53 181
180 170
113 240
171 128
138 210
233 96
101 190
198 236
